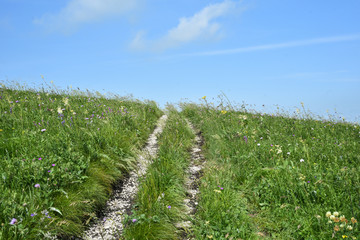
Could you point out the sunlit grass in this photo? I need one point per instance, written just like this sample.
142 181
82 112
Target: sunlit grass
60 154
159 204
285 172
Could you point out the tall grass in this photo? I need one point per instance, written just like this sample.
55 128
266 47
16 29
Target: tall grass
280 177
159 204
60 154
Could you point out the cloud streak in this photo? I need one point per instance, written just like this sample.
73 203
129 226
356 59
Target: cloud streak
292 44
200 26
78 12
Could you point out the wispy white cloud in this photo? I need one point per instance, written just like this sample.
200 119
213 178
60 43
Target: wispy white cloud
78 12
200 26
291 44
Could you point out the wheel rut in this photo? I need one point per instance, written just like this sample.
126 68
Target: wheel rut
192 182
111 225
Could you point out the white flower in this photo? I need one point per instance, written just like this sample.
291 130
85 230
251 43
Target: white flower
328 214
349 228
288 153
336 214
258 144
332 217
302 160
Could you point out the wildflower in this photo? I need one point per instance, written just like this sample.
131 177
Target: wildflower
53 164
308 181
344 236
336 228
13 221
223 111
332 217
336 214
134 220
33 214
245 139
342 225
218 191
66 101
258 144
37 185
43 130
353 220
39 158
279 151
204 97
49 171
349 228
1 130
343 219
288 153
169 207
302 160
59 110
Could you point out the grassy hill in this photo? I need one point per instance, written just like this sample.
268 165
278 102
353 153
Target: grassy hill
60 154
265 176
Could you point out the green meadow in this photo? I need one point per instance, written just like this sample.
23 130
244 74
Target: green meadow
279 176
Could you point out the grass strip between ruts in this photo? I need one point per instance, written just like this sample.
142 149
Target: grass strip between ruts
159 204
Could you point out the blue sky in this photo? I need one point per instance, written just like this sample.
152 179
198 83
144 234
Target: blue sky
273 52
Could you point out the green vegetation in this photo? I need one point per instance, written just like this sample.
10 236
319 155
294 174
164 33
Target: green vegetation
159 204
60 154
276 177
265 177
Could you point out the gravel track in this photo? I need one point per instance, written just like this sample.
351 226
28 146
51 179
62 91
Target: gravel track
110 226
194 173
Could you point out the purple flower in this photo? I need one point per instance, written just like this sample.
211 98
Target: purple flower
53 164
246 139
308 181
40 158
43 130
33 214
37 185
13 221
169 207
222 188
134 220
49 171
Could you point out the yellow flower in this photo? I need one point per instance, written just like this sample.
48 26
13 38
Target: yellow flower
223 111
204 97
344 236
66 101
353 220
1 130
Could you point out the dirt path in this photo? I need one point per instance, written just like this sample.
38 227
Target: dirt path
192 183
110 226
